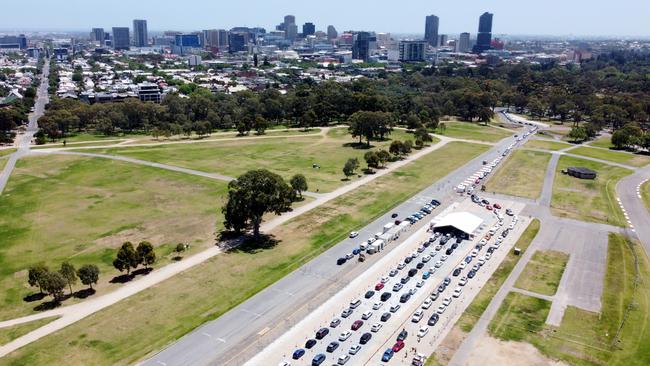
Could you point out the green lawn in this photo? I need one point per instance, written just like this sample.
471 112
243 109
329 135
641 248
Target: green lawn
282 155
80 209
547 145
472 131
588 200
519 317
484 297
9 334
178 305
5 152
645 194
544 272
521 175
603 141
615 156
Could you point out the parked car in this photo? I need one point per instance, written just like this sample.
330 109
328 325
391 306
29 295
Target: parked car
398 346
388 354
357 324
354 234
335 322
369 294
355 303
379 286
344 335
341 261
310 343
298 353
385 296
365 337
332 346
347 312
318 359
354 349
322 332
433 319
385 316
376 327
402 335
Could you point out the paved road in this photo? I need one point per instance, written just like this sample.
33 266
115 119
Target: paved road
242 332
638 216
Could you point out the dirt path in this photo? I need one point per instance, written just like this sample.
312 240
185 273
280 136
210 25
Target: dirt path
491 351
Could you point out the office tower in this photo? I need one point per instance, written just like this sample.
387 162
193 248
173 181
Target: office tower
98 35
463 43
140 35
211 38
363 43
484 36
289 19
236 42
332 34
188 40
121 38
308 29
412 51
223 38
431 30
442 40
291 31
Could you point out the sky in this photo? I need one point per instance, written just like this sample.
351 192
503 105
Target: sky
514 17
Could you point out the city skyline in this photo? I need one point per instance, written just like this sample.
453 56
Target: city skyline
624 18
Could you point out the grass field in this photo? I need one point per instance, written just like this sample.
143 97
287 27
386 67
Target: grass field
80 209
614 156
472 131
547 145
519 317
544 272
9 334
645 194
484 297
5 152
586 338
285 156
603 141
522 174
176 306
588 200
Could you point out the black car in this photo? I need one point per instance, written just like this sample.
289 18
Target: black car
405 297
404 280
412 272
394 215
408 260
435 202
456 272
402 335
471 274
332 346
385 296
365 338
385 317
426 243
420 265
434 319
444 240
485 202
491 250
322 332
369 294
458 241
341 261
505 233
455 245
449 251
310 343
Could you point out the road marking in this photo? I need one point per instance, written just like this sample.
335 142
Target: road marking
162 363
252 313
263 331
221 340
206 334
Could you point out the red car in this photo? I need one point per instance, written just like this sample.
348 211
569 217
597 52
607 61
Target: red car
357 324
379 286
497 206
398 346
489 207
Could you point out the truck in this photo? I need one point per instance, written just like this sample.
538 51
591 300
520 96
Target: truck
375 247
388 226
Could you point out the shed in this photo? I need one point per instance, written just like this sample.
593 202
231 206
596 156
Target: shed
582 173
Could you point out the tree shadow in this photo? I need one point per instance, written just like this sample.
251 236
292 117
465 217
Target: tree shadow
248 244
358 146
82 294
52 304
34 297
369 171
123 278
142 271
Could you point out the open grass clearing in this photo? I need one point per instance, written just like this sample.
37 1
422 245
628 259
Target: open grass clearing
58 208
521 175
543 272
472 131
547 145
518 317
603 141
180 304
282 155
10 333
615 156
5 152
588 200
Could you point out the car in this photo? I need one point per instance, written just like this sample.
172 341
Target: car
371 240
412 272
385 296
438 264
441 287
497 206
413 290
343 359
392 273
365 337
401 265
322 332
318 359
355 303
438 247
398 286
344 335
426 275
379 286
394 308
471 274
487 256
462 265
335 322
341 261
474 252
354 349
476 267
349 256
357 324
354 234
376 327
385 316
423 331
446 301
419 265
485 202
433 319
415 254
419 284
481 261
468 259
509 212
388 354
366 315
298 353
426 258
457 292
489 208
447 281
332 346
417 316
394 215
456 272
421 249
405 297
434 296
441 309
369 294
435 202
462 281
449 251
377 305
383 280
310 343
407 260
405 280
398 346
347 312
402 335
444 258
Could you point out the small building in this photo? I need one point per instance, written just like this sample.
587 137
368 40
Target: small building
582 173
149 92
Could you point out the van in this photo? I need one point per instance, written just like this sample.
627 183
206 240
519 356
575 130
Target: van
394 308
355 303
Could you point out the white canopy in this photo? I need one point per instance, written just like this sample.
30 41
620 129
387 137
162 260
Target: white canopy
463 221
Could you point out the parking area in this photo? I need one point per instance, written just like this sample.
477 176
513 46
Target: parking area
359 324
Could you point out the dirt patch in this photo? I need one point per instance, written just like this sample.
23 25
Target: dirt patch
450 345
491 351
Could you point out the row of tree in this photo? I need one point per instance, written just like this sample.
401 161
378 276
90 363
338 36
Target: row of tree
631 136
129 257
54 282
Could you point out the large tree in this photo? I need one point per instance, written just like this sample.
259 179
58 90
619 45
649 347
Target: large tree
88 274
350 166
36 276
127 258
251 196
54 283
299 184
69 274
146 253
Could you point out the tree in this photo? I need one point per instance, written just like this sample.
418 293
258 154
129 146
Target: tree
180 248
620 139
36 276
146 253
577 134
127 258
251 196
261 124
384 156
396 148
69 274
350 166
88 274
53 284
423 135
406 148
372 159
299 183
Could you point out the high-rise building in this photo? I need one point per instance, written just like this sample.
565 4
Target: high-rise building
98 35
291 31
223 38
442 40
237 42
121 38
484 36
308 29
363 43
463 43
412 51
431 30
188 40
332 34
140 34
289 19
19 41
211 38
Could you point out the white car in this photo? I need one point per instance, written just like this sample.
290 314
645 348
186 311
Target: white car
481 261
444 258
376 327
441 309
457 292
377 305
462 265
438 264
354 349
371 240
483 242
345 335
415 255
432 270
401 265
427 303
354 234
488 256
474 253
417 316
423 331
446 301
384 280
343 359
419 284
462 281
426 258
366 315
